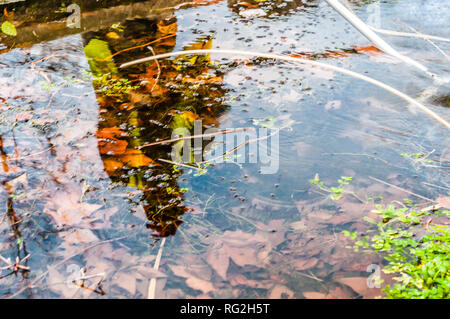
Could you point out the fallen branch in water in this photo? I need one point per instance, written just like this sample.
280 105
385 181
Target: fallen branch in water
372 36
303 61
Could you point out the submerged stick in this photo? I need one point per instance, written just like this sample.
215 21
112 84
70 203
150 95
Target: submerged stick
386 87
402 189
372 36
152 285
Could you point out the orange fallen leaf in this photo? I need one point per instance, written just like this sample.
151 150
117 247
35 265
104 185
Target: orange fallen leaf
136 158
167 29
110 133
367 49
111 165
112 147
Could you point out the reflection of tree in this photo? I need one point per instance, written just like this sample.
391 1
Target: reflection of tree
145 105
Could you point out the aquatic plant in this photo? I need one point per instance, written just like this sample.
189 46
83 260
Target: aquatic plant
416 251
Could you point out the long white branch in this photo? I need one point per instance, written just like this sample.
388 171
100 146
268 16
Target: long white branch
372 36
303 61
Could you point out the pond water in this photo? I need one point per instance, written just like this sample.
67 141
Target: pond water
88 192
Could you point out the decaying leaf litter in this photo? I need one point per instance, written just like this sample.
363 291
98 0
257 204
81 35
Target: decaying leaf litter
95 208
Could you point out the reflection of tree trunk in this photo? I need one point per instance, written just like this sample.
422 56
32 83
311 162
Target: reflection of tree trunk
35 29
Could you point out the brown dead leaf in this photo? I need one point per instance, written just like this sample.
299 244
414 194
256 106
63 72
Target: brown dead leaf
337 293
239 279
243 248
66 209
444 202
314 295
127 282
281 292
200 284
359 285
74 237
305 263
219 260
23 117
300 225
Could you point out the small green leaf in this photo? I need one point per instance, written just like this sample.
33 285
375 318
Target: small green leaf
9 28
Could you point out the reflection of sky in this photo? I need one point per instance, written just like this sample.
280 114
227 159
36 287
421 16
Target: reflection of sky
307 29
341 115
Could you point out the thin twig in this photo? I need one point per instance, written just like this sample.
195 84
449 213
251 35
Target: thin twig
432 185
29 155
198 136
433 44
159 70
54 56
137 47
179 164
412 35
239 147
402 189
386 87
152 285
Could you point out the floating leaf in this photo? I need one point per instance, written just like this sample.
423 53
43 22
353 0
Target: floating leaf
9 28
